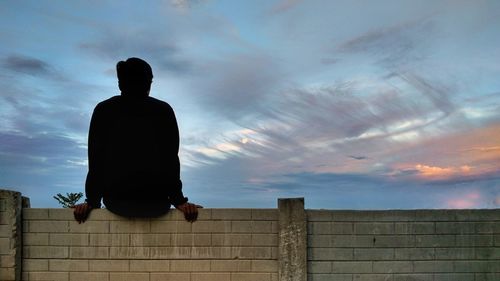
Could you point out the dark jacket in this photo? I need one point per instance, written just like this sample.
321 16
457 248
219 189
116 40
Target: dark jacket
133 157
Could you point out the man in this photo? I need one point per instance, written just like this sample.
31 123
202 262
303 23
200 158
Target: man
133 152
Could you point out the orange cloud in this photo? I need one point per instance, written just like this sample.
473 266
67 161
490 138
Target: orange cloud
437 172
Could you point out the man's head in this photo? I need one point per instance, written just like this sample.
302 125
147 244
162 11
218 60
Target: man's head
134 77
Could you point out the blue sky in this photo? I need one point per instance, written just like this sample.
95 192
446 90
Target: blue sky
350 104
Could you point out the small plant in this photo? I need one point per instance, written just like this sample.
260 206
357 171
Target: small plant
69 200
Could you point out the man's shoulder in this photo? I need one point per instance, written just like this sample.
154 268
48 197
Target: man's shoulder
107 102
160 104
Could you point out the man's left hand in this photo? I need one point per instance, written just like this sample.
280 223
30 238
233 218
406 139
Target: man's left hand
81 212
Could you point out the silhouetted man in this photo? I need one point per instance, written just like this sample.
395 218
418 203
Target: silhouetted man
133 151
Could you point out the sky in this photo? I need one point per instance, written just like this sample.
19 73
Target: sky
350 104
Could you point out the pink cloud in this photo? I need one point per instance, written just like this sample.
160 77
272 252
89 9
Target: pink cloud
469 200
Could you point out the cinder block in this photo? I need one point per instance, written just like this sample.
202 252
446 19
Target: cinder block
351 267
488 227
89 252
314 267
48 226
487 276
455 227
203 215
65 214
264 240
373 228
318 228
50 276
45 252
250 276
230 265
7 261
415 228
265 266
329 277
476 266
415 253
170 227
251 252
394 215
443 240
68 265
148 239
211 227
413 277
189 265
265 214
372 277
454 253
351 241
319 215
108 265
35 239
128 276
342 228
129 252
6 230
5 246
87 276
392 267
89 227
262 227
351 216
69 239
150 265
435 215
479 240
106 239
189 239
394 241
175 277
374 254
231 214
319 241
171 252
131 226
35 265
7 274
35 214
331 254
274 227
433 266
478 215
4 218
209 277
241 226
487 253
454 277
231 239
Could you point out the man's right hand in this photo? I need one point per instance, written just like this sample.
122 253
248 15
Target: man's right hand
190 211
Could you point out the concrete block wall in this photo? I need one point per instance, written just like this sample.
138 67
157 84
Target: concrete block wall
223 245
423 245
10 235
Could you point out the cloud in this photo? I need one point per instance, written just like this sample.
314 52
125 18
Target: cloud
284 6
28 65
396 47
116 44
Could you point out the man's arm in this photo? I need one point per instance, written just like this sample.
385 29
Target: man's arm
176 196
93 188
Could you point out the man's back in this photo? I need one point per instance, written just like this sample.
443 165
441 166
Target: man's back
133 147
